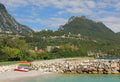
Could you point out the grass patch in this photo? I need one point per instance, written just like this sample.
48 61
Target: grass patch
8 63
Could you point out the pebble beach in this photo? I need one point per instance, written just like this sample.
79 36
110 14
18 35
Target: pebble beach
79 66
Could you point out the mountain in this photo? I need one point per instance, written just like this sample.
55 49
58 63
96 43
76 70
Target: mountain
9 25
118 33
87 27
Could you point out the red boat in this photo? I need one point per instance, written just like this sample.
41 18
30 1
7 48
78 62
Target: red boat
23 67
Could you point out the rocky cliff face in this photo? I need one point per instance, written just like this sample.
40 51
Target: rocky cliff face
9 25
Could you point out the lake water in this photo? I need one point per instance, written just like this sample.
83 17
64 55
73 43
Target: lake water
76 78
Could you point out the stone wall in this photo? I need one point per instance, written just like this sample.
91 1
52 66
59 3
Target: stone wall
89 66
80 67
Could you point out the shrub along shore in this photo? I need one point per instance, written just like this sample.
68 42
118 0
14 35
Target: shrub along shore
91 66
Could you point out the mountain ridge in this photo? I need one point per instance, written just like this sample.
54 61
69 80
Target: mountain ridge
84 26
9 25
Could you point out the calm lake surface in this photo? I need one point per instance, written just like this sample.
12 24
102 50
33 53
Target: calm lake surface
75 78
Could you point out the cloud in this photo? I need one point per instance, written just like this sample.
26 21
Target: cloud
85 7
106 11
91 4
112 19
112 22
117 6
68 5
14 4
114 27
63 4
105 4
52 22
26 20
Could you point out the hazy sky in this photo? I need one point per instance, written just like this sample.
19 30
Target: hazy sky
49 14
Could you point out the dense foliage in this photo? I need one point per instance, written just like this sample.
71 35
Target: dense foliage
72 45
55 45
79 37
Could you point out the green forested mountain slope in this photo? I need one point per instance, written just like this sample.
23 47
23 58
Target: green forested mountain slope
82 25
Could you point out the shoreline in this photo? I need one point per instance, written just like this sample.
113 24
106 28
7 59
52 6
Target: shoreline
16 76
60 66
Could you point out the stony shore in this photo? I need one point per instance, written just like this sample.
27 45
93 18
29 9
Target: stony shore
87 66
7 68
73 66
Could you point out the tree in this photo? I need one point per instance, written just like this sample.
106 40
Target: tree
17 43
11 53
